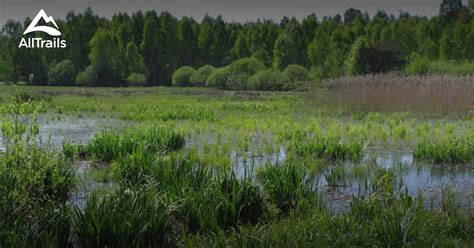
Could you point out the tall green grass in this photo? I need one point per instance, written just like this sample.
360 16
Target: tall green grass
449 151
288 186
135 217
109 146
208 202
171 112
34 185
371 221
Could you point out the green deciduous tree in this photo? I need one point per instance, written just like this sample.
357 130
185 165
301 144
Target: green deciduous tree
284 52
150 49
62 73
105 59
188 42
241 47
134 59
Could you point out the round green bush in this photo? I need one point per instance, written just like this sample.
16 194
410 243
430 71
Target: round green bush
418 64
269 80
241 71
62 73
218 78
263 57
182 76
296 73
200 77
238 81
248 66
136 79
87 77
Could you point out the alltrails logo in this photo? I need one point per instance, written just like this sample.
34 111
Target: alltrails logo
40 42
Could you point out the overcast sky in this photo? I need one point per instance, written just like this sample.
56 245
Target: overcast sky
242 10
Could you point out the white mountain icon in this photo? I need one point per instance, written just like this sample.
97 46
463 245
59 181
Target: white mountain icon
49 30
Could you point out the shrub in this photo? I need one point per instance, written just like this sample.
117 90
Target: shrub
39 75
238 81
451 67
269 80
218 78
200 77
247 66
87 77
418 64
263 57
241 71
62 73
182 76
366 57
136 79
296 73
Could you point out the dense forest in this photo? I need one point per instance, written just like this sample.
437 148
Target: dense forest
148 47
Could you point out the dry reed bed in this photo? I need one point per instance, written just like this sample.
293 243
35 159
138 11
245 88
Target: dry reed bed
442 94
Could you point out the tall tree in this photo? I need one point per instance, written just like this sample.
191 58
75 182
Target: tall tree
11 59
241 47
207 42
187 37
309 26
150 49
450 7
104 59
284 52
294 30
168 45
79 30
133 59
138 22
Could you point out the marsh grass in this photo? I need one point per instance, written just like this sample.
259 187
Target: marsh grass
224 204
109 146
432 95
338 177
170 112
395 220
450 151
288 187
328 148
209 202
128 217
34 184
168 196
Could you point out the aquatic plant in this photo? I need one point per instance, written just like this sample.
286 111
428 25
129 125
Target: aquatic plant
288 186
128 217
34 185
450 151
328 148
108 146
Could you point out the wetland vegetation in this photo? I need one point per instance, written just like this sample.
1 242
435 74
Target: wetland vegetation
200 167
149 130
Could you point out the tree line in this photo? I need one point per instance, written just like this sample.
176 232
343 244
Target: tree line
148 47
